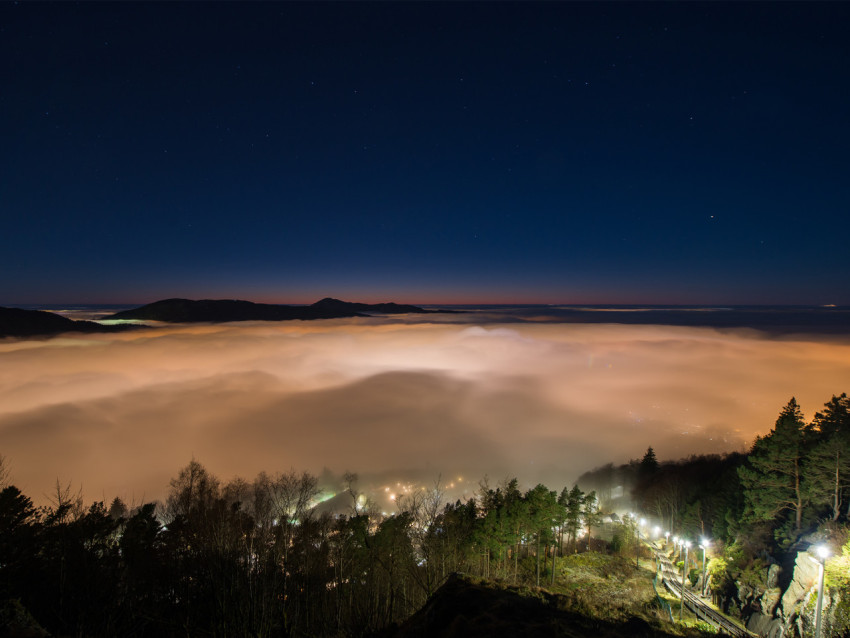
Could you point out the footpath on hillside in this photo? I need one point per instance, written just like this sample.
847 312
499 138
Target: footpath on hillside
700 607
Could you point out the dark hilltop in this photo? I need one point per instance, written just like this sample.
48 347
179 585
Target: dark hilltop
220 310
466 607
17 322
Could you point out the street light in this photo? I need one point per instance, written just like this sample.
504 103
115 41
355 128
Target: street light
703 546
823 553
687 545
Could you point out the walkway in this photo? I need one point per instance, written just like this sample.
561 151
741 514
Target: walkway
702 610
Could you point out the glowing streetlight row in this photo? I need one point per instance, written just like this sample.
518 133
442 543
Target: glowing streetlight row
821 553
680 543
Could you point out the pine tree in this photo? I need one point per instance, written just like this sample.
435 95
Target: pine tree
541 506
574 503
590 513
827 466
649 463
772 476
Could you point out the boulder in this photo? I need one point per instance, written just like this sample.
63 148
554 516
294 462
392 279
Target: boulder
765 626
773 576
769 601
759 624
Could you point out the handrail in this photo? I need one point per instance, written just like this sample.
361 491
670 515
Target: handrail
700 609
664 603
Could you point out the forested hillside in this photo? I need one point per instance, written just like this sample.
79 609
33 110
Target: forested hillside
792 479
257 558
254 558
755 511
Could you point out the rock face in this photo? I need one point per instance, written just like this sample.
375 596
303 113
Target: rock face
773 613
805 577
795 612
758 608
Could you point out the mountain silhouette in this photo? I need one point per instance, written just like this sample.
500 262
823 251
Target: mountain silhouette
17 322
219 310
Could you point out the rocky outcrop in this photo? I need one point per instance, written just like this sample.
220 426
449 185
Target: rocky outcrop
804 579
758 609
772 613
793 613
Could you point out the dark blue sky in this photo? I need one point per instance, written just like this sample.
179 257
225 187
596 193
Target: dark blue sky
435 152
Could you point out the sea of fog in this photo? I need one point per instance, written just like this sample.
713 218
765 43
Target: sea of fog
542 393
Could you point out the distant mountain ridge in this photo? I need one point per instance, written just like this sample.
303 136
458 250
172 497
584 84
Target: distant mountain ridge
17 322
221 310
388 308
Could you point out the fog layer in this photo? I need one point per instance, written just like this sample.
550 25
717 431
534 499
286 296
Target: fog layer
120 414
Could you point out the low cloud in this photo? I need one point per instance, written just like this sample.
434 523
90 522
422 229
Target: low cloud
120 414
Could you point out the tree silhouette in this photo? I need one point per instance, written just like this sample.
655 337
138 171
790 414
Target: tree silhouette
649 463
772 477
827 466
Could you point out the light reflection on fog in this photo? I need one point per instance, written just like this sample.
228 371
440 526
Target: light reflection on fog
120 414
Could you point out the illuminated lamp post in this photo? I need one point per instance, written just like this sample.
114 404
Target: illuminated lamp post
703 546
687 545
822 552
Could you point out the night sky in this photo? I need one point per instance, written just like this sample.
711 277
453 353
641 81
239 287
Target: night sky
425 152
